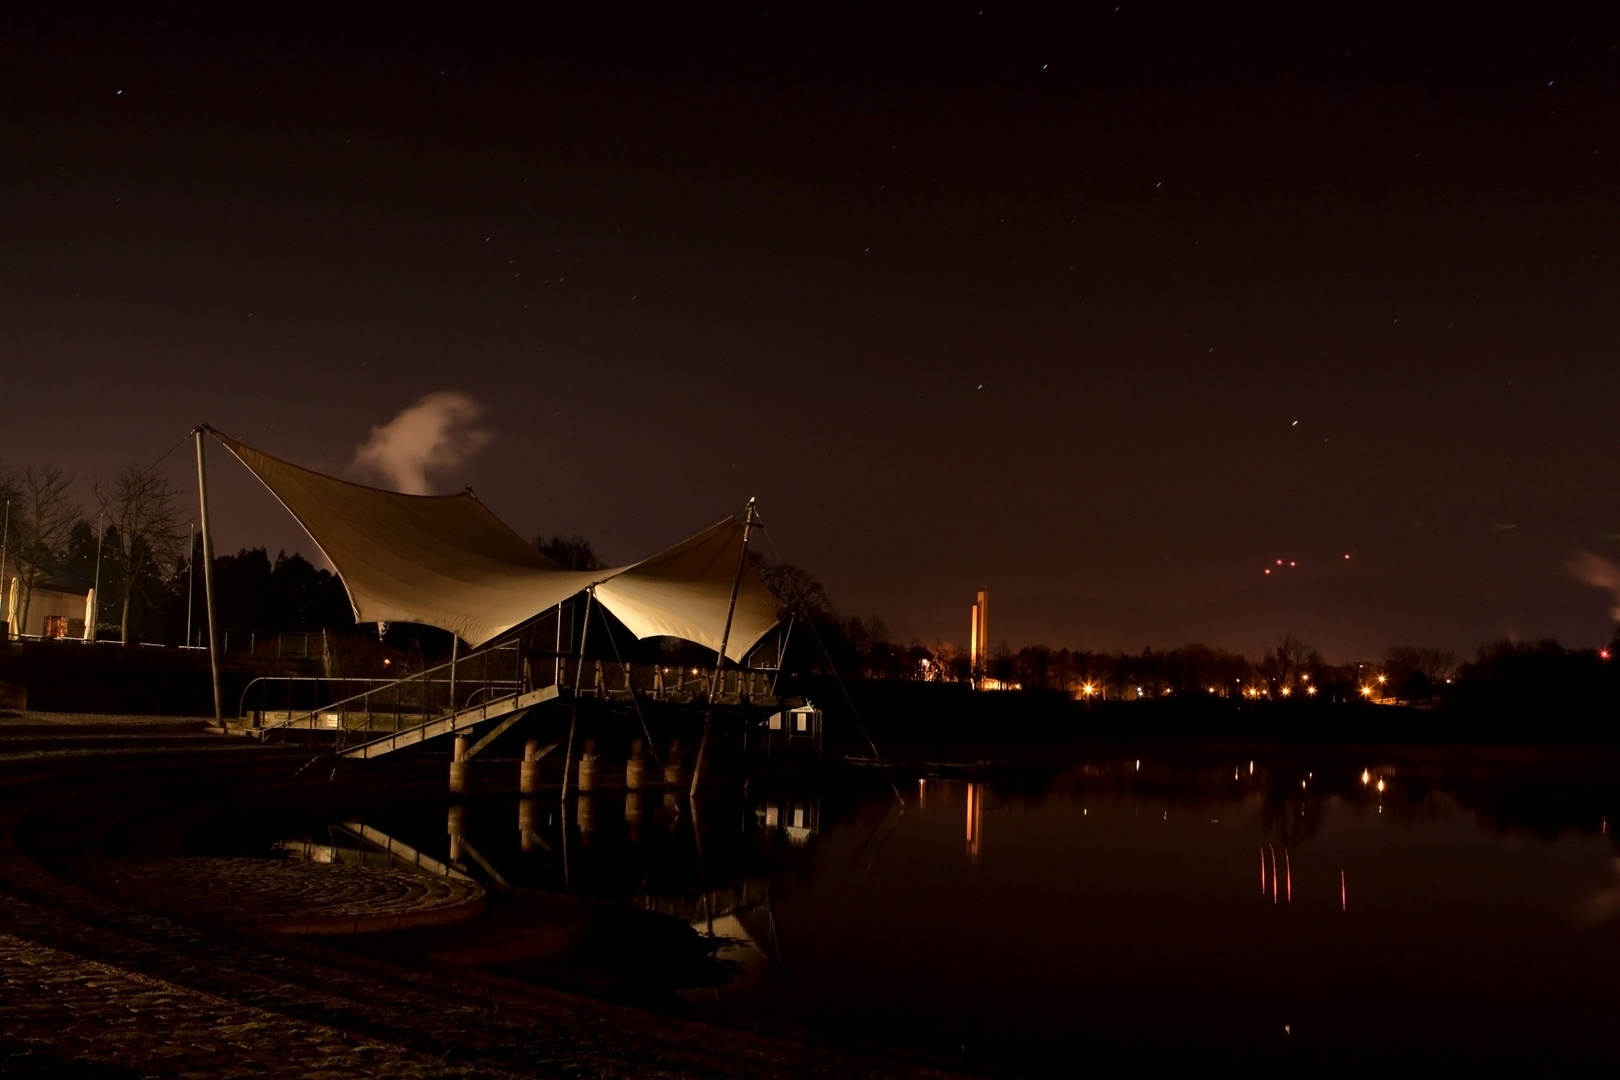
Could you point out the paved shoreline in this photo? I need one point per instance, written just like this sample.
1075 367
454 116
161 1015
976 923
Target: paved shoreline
93 984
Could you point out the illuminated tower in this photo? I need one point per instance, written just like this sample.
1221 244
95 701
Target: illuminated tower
979 636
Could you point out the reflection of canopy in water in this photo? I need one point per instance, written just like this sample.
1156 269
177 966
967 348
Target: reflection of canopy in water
446 561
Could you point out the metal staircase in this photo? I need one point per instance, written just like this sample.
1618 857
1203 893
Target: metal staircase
512 708
492 684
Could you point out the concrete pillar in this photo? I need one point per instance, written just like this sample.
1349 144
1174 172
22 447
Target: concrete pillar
529 769
458 767
587 766
635 768
672 764
585 815
456 826
528 823
632 815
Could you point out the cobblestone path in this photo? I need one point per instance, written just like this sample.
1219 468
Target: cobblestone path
86 1011
96 985
293 897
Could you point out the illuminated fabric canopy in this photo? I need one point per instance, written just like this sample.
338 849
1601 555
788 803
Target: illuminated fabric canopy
447 561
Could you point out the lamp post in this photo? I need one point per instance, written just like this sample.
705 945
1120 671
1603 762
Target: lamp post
191 575
95 589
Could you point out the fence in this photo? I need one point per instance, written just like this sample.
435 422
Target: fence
313 703
274 643
310 703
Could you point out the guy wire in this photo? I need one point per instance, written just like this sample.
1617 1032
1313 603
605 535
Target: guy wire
652 750
839 679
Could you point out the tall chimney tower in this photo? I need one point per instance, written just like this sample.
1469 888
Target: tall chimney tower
979 636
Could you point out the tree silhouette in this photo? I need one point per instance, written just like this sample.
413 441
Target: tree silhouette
569 552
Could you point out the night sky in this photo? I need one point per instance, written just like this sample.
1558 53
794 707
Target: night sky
1082 300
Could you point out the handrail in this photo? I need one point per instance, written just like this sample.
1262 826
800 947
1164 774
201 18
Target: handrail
241 703
423 693
424 677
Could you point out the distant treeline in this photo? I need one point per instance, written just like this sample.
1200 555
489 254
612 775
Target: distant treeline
252 592
1503 677
135 546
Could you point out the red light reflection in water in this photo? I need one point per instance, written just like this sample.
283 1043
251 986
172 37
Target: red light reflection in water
1262 869
1343 903
1288 870
1273 851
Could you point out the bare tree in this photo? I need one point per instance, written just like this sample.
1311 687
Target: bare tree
1291 659
1414 674
569 552
140 506
42 518
798 592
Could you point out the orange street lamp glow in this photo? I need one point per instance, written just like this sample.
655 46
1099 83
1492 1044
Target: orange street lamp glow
1311 691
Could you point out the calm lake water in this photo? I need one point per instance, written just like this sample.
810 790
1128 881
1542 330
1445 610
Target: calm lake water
1332 911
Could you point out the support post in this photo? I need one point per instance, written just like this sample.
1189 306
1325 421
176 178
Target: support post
720 656
568 754
529 770
458 766
556 651
584 636
208 573
455 653
573 720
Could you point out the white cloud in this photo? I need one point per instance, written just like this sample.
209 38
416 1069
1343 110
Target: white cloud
435 434
1599 573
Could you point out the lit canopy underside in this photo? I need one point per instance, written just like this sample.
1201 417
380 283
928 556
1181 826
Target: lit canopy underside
447 561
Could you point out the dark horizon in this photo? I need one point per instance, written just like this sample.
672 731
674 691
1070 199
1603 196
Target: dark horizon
1122 302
